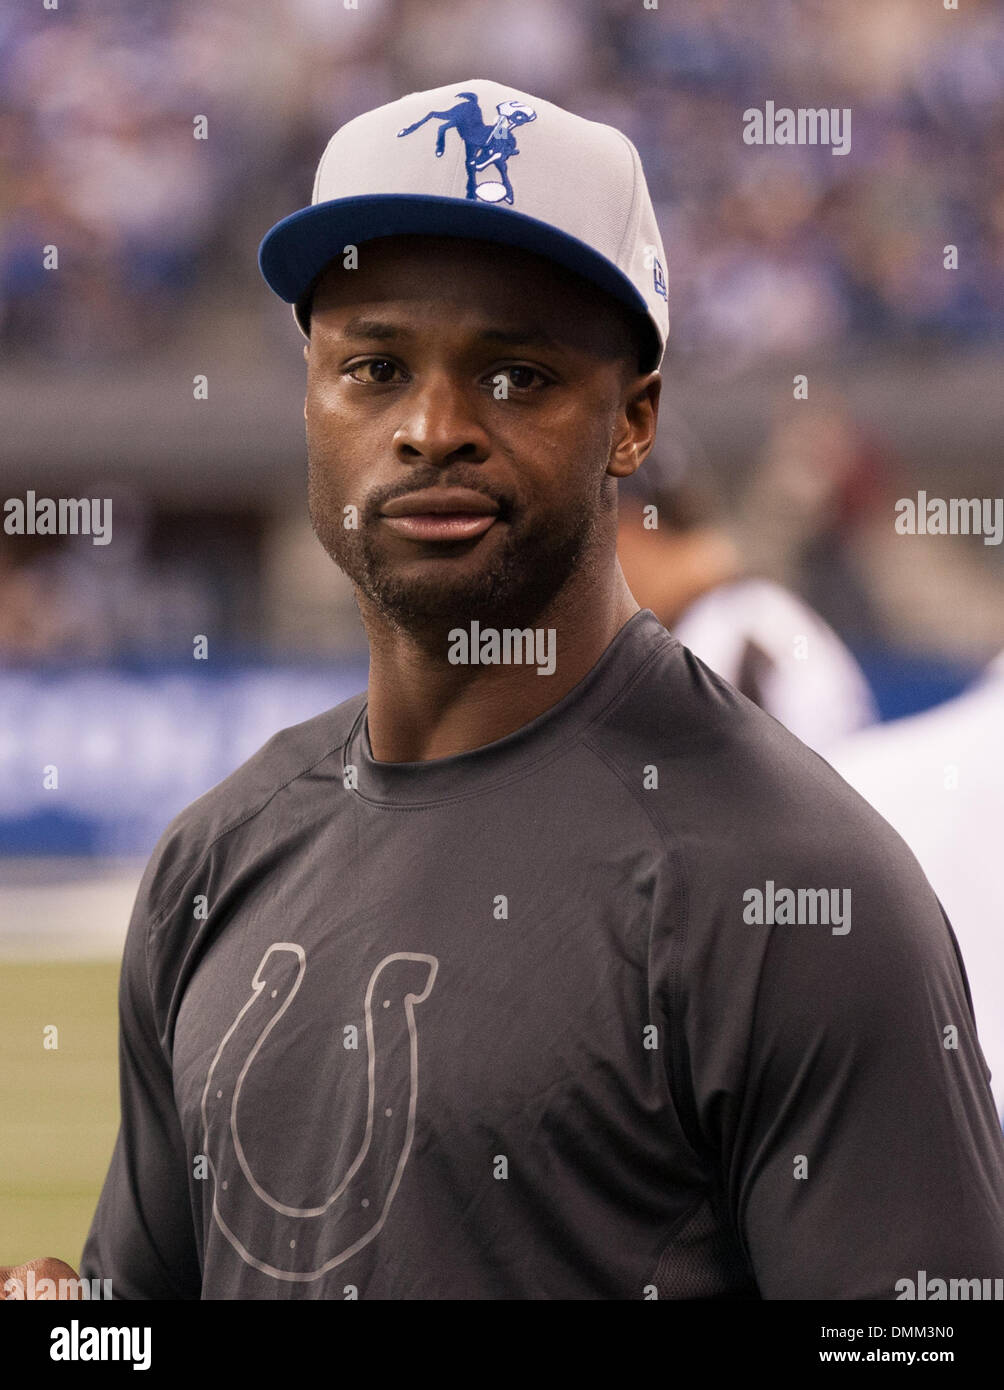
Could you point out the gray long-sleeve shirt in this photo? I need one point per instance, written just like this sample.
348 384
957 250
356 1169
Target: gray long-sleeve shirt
533 1022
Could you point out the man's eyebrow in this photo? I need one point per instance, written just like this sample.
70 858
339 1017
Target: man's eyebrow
527 335
370 328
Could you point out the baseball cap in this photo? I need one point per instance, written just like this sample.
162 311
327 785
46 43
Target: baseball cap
480 160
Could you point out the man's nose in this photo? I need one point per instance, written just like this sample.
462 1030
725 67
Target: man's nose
442 422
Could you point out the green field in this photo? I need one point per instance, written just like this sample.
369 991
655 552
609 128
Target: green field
58 1108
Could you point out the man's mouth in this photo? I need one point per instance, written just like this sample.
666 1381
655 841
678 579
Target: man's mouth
440 526
441 514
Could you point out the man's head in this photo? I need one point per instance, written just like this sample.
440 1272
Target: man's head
441 362
454 223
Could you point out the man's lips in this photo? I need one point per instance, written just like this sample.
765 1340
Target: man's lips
441 514
440 526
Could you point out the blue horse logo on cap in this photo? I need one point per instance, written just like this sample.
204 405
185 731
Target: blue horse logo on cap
483 144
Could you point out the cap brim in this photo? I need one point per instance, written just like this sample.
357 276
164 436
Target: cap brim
295 251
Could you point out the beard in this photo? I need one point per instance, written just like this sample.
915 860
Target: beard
519 575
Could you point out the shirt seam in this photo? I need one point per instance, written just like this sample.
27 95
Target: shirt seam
678 1086
159 918
665 842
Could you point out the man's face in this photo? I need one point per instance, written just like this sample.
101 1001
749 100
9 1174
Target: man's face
440 363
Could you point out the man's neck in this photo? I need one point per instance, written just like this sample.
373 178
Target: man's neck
421 706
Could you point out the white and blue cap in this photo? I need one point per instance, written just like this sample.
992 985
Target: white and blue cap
480 160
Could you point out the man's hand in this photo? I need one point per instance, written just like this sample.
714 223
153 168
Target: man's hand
39 1279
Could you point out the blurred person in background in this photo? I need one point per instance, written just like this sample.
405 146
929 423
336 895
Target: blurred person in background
819 516
938 778
755 633
810 487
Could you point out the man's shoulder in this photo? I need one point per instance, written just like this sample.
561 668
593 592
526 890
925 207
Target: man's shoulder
710 765
763 843
287 756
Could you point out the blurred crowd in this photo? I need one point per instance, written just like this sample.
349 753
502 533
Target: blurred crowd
165 578
769 249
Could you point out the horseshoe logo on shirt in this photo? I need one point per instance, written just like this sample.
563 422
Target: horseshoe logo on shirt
362 1199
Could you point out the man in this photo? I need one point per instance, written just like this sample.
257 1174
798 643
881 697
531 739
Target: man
457 990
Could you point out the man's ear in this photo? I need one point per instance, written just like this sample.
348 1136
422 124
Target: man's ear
639 419
306 352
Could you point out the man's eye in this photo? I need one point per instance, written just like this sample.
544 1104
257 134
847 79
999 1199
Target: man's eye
379 369
521 378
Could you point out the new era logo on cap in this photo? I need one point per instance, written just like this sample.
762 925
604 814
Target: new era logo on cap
481 160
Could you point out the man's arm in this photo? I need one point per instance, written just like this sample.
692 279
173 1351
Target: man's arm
142 1237
838 1076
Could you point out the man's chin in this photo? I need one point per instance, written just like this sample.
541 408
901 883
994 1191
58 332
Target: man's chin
502 586
434 606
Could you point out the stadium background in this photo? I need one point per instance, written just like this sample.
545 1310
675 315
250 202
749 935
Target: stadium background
780 261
